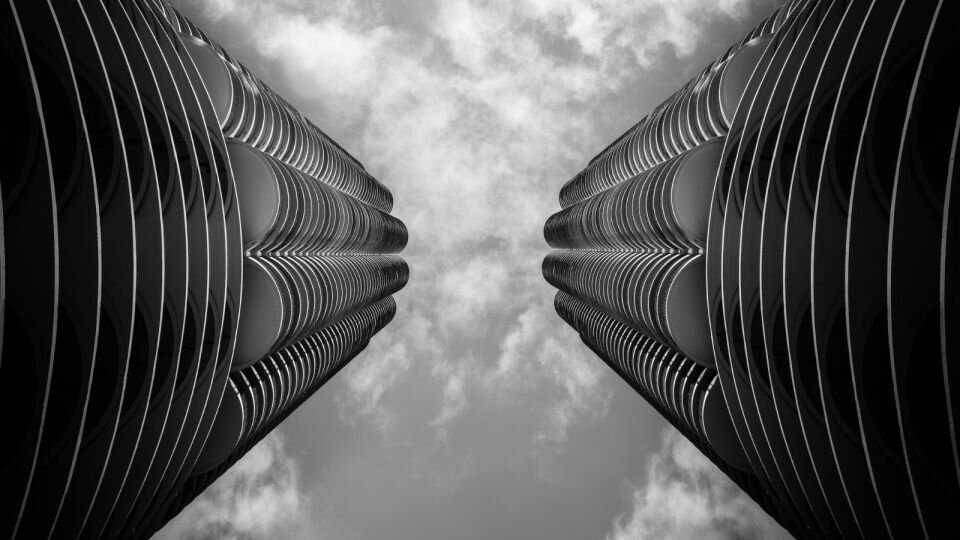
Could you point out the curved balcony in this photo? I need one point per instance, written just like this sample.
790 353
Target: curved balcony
665 208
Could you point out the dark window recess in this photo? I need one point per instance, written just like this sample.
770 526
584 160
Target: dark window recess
141 358
184 158
106 371
816 139
736 340
779 355
190 345
134 143
757 350
924 405
223 174
720 331
166 354
934 116
762 170
846 141
204 167
877 388
788 155
101 134
69 377
726 174
838 381
743 169
883 141
21 150
225 337
209 338
64 135
162 157
21 375
805 362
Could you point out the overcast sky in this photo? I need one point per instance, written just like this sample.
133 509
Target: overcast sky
477 413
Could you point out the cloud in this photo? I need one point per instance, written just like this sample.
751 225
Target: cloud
687 497
386 362
534 355
469 292
454 400
331 49
218 9
580 375
518 347
258 497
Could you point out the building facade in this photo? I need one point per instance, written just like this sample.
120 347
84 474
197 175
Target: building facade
184 259
768 258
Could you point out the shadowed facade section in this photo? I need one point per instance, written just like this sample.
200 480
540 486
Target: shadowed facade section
184 259
766 258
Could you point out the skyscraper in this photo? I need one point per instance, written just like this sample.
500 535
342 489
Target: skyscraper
186 258
768 257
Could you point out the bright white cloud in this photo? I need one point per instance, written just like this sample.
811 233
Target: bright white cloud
687 497
318 52
641 28
258 497
217 9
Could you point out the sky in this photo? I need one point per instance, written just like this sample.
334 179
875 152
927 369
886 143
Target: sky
477 413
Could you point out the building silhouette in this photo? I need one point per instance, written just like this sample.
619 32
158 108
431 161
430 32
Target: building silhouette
184 259
769 258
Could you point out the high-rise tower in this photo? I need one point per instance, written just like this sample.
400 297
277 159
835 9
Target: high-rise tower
184 259
769 257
